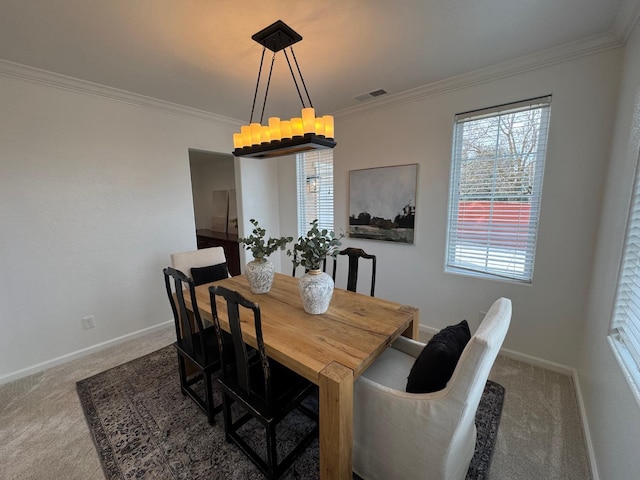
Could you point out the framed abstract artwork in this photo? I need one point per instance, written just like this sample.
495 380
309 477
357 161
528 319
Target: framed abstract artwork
382 203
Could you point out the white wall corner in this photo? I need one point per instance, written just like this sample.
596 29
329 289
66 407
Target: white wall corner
626 19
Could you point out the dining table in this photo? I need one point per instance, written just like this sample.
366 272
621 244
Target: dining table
330 349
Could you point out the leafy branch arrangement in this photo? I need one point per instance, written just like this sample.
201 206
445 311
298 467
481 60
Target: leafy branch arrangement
310 250
258 247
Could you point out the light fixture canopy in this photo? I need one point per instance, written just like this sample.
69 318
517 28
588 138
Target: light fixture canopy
282 137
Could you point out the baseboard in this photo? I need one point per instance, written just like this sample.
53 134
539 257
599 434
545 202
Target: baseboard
538 362
522 357
585 426
24 372
430 331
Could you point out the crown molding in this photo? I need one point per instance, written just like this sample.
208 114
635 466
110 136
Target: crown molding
56 80
552 56
626 19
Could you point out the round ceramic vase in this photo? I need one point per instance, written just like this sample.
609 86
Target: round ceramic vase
259 274
316 290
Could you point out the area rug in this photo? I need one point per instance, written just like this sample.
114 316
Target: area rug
144 428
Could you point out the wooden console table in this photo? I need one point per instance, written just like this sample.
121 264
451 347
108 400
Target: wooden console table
228 241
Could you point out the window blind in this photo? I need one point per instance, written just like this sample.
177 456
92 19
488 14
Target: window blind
315 189
496 185
625 325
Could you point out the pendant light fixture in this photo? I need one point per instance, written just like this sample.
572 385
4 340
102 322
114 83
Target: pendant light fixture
282 137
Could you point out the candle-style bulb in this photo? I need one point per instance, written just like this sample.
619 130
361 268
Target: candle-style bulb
328 126
308 120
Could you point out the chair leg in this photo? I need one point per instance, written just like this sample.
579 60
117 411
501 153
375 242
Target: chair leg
226 415
183 375
272 450
208 392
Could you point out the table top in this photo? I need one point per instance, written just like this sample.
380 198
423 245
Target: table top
353 332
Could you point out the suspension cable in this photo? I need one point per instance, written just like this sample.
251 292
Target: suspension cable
295 82
255 94
267 90
301 78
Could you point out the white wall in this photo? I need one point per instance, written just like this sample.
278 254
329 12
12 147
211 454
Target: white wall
548 316
612 411
288 206
94 196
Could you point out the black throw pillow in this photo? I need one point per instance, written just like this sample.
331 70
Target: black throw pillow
437 361
209 274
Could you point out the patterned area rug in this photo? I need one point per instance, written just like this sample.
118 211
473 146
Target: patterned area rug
144 428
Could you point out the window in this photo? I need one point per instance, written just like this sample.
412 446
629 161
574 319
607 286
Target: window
496 183
625 324
315 189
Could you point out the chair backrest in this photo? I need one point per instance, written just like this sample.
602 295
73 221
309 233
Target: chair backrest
187 323
472 371
355 254
234 301
185 261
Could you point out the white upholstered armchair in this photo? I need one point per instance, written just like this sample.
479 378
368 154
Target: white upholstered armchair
400 435
204 257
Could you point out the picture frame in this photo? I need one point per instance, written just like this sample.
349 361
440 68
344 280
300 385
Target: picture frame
382 203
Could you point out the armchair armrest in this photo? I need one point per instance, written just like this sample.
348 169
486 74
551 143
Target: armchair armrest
408 346
394 431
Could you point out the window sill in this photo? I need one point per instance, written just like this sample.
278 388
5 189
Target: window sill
485 276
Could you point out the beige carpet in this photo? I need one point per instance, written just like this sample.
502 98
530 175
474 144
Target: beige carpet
43 433
540 435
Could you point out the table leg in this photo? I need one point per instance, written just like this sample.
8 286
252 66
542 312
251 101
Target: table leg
413 331
336 422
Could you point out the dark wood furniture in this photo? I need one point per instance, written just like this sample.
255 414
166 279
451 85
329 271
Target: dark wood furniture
265 389
197 347
330 350
228 241
355 254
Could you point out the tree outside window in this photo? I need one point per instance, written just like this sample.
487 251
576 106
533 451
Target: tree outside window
496 185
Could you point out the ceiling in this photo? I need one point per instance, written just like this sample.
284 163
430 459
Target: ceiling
199 53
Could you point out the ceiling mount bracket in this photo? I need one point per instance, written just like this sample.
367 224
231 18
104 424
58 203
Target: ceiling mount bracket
277 36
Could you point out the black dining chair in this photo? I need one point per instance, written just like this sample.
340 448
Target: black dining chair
355 254
265 389
197 346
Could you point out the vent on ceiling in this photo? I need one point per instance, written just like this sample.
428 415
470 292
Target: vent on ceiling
375 93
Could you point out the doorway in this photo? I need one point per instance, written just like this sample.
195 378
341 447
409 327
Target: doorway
215 203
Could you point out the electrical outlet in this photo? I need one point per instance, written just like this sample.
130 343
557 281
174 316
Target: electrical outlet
88 322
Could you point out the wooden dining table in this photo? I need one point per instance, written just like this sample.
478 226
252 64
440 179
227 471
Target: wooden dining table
331 349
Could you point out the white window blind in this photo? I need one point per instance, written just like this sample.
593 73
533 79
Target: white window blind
625 325
496 184
315 189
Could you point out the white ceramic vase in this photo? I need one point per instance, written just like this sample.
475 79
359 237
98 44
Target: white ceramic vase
316 290
260 274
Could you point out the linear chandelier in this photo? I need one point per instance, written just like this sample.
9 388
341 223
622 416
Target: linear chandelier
282 137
